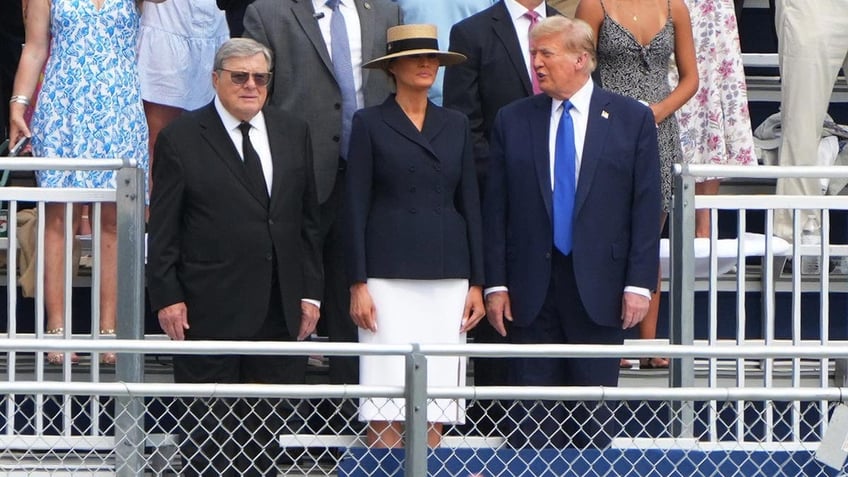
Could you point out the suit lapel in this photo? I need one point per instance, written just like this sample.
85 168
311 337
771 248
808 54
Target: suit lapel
304 13
504 29
279 151
395 118
597 128
213 132
540 123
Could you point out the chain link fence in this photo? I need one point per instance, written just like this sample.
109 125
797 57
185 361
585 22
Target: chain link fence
313 430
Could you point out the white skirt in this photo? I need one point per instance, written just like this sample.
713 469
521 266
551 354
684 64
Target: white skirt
414 311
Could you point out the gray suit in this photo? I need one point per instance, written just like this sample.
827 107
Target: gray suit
303 73
304 84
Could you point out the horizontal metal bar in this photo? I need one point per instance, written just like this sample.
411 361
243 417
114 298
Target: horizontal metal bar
55 194
836 349
57 163
765 202
760 172
311 391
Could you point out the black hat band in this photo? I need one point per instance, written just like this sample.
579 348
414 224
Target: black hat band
412 44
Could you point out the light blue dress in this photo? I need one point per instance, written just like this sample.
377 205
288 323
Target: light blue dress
90 105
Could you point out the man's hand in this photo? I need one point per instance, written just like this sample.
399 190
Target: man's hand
173 319
362 310
498 310
309 314
474 309
634 307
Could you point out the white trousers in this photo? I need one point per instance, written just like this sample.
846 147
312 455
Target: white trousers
812 47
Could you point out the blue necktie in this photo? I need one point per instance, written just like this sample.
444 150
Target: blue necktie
343 70
564 181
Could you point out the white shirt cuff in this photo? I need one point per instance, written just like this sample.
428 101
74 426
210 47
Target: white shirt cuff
639 291
310 300
489 290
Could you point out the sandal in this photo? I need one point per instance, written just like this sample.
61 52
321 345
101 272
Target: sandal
653 363
108 358
58 357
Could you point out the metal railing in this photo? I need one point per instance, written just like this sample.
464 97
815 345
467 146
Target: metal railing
74 422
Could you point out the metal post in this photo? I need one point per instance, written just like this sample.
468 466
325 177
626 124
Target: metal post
129 411
682 295
416 414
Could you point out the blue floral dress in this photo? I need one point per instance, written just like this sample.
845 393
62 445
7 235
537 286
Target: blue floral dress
90 105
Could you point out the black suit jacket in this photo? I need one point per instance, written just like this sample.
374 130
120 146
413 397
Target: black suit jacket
213 241
493 76
412 208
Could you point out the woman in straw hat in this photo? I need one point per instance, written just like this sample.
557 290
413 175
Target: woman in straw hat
414 242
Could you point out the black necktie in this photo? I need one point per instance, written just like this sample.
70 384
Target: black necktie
252 166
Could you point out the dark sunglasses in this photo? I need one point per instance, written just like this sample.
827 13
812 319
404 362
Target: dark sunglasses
240 77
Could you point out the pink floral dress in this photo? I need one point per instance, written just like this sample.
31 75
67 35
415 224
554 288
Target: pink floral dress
715 126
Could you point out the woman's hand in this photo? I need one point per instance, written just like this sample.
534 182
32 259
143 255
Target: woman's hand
18 128
362 310
474 309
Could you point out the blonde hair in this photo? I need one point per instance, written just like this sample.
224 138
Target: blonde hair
577 35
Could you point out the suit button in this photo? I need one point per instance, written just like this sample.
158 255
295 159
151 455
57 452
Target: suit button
548 256
437 167
437 210
270 221
411 168
337 106
412 189
438 188
412 210
268 257
336 138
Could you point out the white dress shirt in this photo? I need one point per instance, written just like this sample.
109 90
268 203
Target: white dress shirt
522 27
354 38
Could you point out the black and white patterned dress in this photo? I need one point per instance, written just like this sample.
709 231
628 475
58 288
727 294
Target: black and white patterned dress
641 72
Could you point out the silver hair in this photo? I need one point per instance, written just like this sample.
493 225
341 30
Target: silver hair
240 48
577 35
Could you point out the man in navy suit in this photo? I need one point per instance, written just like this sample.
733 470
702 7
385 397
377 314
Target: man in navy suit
574 264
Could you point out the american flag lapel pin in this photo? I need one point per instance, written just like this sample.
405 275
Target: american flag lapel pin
604 114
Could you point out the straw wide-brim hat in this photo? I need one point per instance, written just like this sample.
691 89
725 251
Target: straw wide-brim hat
408 40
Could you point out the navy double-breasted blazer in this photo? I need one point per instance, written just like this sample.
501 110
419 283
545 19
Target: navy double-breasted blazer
412 207
617 206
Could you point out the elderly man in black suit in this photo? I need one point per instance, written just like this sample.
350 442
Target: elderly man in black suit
320 46
235 254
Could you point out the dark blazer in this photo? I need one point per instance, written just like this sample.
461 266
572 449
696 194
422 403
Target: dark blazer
303 81
493 76
213 241
616 211
234 10
412 204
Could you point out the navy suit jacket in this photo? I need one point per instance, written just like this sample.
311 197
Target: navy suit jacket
493 76
412 204
616 212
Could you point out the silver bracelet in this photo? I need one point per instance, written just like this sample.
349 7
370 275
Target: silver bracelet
18 98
